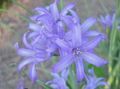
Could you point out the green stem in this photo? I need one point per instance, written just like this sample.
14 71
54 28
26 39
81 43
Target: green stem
61 4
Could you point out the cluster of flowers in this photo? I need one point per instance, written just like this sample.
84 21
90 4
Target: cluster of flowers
60 32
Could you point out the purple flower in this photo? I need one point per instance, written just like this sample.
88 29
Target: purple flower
36 51
93 82
53 20
59 82
107 21
76 49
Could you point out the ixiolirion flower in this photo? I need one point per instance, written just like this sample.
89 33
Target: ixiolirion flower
59 81
79 50
53 31
93 82
39 40
107 21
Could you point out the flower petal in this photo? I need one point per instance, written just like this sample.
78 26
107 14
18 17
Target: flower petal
32 73
34 27
67 8
25 52
92 33
62 44
93 59
24 63
92 44
65 74
25 41
62 64
76 39
79 69
41 10
88 23
54 10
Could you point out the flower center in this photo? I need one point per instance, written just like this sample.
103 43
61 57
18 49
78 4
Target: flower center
76 51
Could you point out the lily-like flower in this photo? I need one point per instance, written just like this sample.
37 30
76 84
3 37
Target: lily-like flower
59 81
107 21
78 50
35 51
93 82
54 20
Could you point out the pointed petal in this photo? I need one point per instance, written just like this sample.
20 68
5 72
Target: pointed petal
68 20
79 69
93 59
76 39
65 74
92 44
33 34
54 10
41 10
92 33
34 27
88 23
67 8
62 44
24 63
25 52
62 64
25 41
75 16
32 73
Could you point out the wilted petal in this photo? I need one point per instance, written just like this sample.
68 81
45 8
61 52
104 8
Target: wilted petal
62 64
32 73
79 69
93 59
88 23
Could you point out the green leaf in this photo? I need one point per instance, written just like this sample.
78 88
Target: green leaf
44 85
